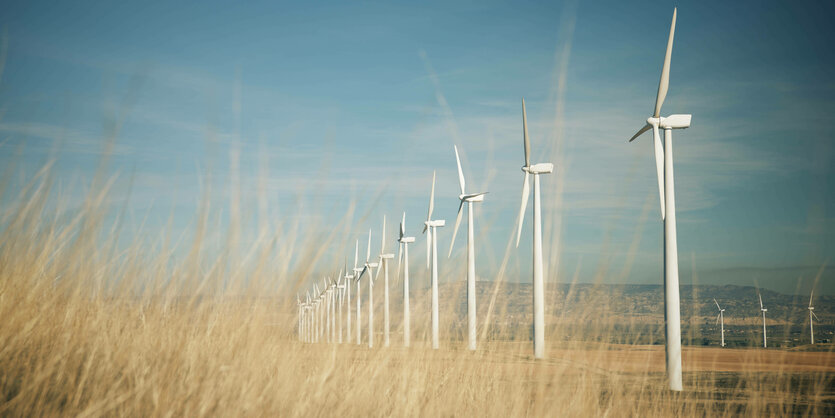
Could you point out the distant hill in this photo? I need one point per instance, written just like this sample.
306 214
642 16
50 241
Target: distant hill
632 309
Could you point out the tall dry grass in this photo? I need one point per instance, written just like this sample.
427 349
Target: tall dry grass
93 326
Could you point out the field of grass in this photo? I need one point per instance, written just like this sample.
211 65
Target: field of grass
90 326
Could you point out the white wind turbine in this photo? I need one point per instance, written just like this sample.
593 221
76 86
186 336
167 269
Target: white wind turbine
369 267
300 309
538 285
469 199
308 321
327 300
721 319
316 314
357 277
404 248
341 287
430 228
763 310
812 316
334 305
664 171
384 257
348 278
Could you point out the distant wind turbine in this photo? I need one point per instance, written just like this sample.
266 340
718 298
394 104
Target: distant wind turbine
369 267
538 285
300 307
402 251
721 319
347 291
812 317
469 199
764 310
664 171
430 228
340 297
357 277
384 257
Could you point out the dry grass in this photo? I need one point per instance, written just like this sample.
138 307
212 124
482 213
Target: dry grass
91 327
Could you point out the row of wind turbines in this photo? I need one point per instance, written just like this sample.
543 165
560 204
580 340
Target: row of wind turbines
720 319
318 312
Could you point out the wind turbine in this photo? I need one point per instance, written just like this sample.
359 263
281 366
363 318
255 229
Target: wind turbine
334 305
764 310
308 319
369 267
666 191
358 276
469 199
538 285
384 257
721 319
811 322
300 308
316 315
340 286
328 309
404 248
348 278
430 228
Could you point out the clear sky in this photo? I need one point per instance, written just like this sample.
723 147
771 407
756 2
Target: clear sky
350 100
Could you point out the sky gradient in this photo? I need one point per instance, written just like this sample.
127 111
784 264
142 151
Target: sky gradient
363 101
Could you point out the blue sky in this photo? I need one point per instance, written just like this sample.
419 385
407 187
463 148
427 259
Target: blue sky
362 101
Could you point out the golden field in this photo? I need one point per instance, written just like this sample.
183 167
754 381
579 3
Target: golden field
90 326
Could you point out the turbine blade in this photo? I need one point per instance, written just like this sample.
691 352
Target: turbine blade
399 258
356 253
717 304
761 300
431 199
641 131
525 135
460 173
403 226
368 251
815 315
810 298
526 191
659 167
383 237
664 83
717 318
455 230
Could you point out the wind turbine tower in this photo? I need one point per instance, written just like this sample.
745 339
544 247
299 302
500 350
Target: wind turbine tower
384 265
369 267
721 319
763 310
430 228
357 275
812 317
538 284
403 250
469 199
664 171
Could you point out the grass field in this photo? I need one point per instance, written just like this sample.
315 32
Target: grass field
89 327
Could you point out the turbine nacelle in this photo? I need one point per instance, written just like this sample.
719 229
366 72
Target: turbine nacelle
435 223
407 240
670 122
541 168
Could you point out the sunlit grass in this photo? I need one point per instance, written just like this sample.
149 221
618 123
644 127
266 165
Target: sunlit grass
90 326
